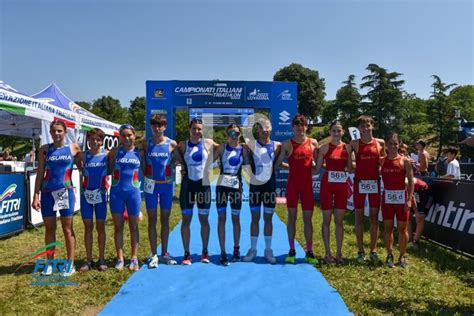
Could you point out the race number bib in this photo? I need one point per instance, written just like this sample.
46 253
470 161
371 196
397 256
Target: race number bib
93 196
337 176
368 186
395 196
149 185
61 199
230 181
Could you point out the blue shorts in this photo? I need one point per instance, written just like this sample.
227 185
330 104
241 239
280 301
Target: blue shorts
47 203
165 191
120 199
87 210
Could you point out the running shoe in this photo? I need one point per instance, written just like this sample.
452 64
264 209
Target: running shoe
119 265
329 259
187 259
86 266
236 254
153 261
291 257
403 262
68 272
205 256
48 270
310 258
223 260
361 257
374 257
102 265
167 259
269 256
251 254
134 266
340 260
389 261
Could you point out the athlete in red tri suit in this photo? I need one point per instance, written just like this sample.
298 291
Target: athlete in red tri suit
396 198
301 152
334 190
369 152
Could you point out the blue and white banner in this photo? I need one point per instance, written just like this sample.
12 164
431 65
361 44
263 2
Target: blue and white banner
12 203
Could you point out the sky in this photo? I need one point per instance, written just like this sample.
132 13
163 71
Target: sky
111 47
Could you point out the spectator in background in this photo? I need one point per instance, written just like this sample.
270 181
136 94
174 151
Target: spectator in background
30 156
423 158
7 156
453 170
441 165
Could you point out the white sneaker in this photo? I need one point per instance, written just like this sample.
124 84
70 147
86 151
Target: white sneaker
251 254
269 256
71 271
48 270
153 261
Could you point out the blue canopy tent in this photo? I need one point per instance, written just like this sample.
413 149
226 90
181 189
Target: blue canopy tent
87 120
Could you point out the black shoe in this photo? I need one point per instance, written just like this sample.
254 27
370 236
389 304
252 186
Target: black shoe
224 261
236 254
389 261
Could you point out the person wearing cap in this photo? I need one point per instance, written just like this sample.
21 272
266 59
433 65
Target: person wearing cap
423 158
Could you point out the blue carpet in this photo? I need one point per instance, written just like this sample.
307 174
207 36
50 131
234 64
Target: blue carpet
241 288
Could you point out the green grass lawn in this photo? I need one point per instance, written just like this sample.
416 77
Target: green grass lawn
436 282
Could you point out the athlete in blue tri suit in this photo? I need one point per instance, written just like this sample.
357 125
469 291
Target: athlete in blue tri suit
124 165
229 189
55 164
157 159
195 187
263 153
93 164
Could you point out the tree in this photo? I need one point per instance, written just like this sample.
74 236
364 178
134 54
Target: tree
414 119
441 111
348 102
462 98
85 105
110 109
137 113
311 88
384 98
330 111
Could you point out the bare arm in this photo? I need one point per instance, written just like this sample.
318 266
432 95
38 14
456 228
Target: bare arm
111 160
319 161
218 152
411 183
283 154
39 177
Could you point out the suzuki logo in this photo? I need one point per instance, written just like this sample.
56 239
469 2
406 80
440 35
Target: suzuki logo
284 116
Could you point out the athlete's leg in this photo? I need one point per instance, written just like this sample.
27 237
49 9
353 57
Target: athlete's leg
339 221
50 234
88 237
374 228
152 219
325 231
118 234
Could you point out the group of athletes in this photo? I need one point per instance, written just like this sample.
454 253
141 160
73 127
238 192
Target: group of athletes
369 158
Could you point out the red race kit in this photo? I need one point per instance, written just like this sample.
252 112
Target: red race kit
395 194
334 185
366 179
300 179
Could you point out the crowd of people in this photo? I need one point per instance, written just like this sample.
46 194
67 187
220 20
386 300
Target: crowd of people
369 158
